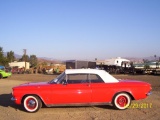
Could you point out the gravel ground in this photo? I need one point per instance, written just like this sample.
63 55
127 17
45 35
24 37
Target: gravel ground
9 110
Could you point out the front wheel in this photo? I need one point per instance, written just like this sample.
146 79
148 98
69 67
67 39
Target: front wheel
32 103
1 76
122 101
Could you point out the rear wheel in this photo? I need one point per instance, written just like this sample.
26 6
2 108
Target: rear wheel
1 76
122 101
32 103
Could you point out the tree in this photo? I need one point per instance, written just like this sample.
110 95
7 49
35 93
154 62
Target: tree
33 60
4 61
10 56
1 54
24 58
44 63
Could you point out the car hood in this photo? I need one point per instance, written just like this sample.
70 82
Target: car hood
34 84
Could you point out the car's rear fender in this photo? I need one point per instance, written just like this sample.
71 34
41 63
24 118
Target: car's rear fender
127 92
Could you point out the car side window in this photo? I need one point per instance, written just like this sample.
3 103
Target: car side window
95 78
77 78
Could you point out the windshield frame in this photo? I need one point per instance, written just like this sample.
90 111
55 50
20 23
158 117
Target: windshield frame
58 79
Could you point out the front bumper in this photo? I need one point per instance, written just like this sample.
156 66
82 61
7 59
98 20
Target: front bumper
13 99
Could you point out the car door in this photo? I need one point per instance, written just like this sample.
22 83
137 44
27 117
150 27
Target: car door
101 92
75 90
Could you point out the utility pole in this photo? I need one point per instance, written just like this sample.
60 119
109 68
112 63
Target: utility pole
25 50
158 61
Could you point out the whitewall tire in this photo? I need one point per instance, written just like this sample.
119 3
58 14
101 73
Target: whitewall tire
32 103
122 101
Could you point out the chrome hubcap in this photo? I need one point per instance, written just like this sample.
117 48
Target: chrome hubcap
31 103
122 101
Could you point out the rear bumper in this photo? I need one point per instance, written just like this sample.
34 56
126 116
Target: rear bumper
149 93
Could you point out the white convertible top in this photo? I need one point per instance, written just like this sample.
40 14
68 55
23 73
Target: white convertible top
103 74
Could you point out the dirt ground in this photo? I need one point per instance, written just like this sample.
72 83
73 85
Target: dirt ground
9 110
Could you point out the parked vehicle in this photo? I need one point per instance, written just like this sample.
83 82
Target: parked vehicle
80 87
17 70
4 73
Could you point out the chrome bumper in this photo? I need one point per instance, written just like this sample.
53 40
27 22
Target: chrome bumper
13 99
149 93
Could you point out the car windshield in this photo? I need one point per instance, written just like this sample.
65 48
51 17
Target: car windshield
57 79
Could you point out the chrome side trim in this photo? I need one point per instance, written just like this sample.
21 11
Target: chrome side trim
77 104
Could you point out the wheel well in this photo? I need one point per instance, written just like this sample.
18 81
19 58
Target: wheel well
32 95
132 98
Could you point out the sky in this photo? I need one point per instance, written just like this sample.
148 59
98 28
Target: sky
81 29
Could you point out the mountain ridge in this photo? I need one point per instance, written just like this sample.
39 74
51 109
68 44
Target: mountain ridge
134 59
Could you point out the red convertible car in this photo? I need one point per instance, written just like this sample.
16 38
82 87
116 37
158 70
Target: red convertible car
80 87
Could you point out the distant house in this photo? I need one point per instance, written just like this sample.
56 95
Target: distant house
19 64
